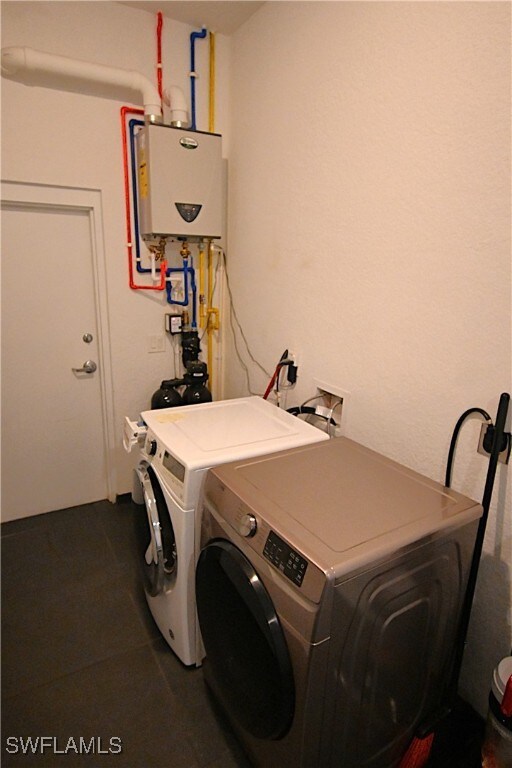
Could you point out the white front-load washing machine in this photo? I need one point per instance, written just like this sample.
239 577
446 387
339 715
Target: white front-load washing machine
180 445
329 587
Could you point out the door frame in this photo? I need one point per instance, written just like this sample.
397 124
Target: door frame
28 196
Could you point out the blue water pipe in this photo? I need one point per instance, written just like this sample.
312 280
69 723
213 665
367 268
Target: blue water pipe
186 271
194 294
193 37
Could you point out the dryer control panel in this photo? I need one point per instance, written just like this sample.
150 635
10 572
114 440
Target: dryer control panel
286 559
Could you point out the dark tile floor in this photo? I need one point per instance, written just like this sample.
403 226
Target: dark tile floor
81 657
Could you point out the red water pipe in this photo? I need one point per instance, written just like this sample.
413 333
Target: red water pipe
134 111
160 287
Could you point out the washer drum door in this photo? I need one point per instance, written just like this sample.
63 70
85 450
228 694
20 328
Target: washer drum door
156 534
247 661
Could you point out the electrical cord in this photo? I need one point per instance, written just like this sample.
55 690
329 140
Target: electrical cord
215 275
233 316
456 430
281 385
283 362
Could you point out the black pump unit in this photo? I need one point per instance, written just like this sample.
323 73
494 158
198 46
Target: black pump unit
195 378
189 346
193 381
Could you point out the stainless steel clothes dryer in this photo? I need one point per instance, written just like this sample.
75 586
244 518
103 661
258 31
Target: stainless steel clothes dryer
329 586
180 445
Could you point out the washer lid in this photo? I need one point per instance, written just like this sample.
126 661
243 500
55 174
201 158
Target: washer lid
204 434
339 501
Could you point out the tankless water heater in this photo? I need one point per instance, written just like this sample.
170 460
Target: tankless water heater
179 183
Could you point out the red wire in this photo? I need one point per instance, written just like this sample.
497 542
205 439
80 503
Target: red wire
272 380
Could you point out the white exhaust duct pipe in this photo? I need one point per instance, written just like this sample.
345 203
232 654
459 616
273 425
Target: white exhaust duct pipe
175 99
19 63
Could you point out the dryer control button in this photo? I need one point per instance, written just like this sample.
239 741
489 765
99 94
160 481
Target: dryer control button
247 525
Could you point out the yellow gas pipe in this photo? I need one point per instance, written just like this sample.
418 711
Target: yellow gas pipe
211 313
202 297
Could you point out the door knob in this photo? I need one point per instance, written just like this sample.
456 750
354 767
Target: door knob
88 367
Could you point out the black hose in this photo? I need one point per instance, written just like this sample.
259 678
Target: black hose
296 410
430 724
499 431
456 430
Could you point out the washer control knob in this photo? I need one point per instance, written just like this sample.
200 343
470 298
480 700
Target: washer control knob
152 448
247 525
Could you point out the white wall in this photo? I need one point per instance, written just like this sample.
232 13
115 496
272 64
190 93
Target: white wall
57 137
369 229
369 218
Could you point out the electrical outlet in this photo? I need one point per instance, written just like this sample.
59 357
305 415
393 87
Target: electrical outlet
291 370
485 443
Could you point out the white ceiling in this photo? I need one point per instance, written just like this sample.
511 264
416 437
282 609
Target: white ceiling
224 17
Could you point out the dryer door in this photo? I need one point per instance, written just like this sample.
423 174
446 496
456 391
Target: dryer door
247 658
156 534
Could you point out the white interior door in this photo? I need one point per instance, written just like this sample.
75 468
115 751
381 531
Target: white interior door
54 443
